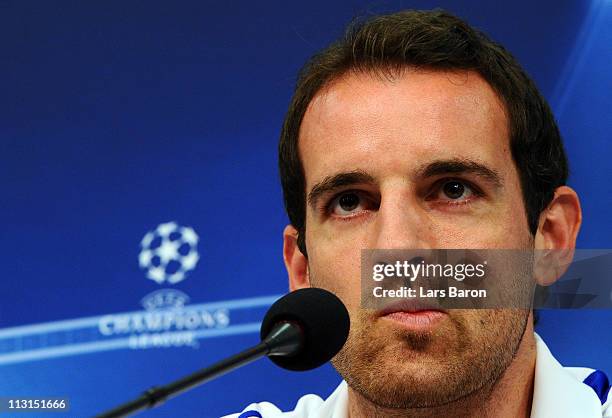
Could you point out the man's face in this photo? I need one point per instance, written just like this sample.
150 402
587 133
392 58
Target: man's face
421 160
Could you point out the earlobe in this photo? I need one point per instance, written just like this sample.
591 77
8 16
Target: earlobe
555 239
295 262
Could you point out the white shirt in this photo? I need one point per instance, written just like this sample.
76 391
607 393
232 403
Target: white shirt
559 392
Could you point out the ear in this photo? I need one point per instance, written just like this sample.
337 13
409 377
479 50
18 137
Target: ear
295 262
555 239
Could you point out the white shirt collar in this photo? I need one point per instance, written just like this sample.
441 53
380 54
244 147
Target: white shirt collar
557 393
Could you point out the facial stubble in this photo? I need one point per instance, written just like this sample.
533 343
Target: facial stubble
400 369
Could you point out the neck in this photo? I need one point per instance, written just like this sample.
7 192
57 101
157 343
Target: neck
509 397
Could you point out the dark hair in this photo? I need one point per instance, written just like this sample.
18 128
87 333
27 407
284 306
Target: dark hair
440 41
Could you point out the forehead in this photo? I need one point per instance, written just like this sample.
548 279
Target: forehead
388 126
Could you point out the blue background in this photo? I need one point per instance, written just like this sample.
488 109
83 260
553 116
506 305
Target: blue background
118 116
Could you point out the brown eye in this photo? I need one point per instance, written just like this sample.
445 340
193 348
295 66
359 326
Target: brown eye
454 189
348 202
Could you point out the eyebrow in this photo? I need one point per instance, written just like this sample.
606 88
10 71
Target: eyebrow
460 166
331 183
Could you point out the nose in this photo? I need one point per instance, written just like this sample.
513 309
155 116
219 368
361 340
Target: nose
401 233
401 223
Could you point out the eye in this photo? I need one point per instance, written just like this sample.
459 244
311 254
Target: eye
455 191
347 204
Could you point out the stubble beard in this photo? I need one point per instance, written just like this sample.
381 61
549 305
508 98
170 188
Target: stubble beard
396 369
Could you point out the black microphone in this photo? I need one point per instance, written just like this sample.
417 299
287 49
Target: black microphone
323 322
301 331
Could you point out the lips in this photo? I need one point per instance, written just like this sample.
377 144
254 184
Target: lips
410 306
414 315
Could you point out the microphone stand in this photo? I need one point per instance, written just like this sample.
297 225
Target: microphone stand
285 339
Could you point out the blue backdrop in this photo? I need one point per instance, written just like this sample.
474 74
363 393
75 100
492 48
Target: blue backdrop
135 131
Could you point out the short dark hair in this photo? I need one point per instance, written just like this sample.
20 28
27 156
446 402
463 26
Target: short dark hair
433 40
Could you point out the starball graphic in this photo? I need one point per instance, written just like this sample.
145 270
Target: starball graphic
169 252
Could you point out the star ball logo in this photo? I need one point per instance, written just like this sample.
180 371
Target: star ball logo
169 252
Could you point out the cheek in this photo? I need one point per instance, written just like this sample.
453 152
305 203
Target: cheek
503 226
512 211
336 266
509 226
497 230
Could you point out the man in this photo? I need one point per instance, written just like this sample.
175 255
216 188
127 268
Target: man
417 132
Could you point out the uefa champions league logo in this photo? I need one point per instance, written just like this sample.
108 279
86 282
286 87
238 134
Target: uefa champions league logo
169 252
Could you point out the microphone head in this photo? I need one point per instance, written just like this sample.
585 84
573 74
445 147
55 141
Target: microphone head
323 319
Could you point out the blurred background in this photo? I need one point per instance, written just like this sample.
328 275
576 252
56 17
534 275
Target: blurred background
140 203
